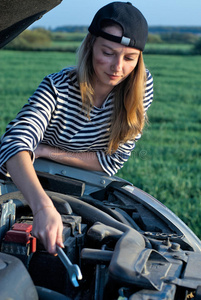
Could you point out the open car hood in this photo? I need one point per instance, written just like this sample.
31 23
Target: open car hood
122 242
17 15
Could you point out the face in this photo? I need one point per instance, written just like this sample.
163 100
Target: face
112 62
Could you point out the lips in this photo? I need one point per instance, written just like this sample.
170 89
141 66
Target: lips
112 76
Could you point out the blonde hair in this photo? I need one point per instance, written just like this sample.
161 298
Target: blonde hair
128 114
85 71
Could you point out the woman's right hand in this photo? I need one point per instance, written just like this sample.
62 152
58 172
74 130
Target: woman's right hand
48 228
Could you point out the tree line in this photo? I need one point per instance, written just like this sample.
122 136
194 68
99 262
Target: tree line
43 39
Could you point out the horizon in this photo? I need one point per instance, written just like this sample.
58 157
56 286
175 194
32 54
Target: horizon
150 26
157 12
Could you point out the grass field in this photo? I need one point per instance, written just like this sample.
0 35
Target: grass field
150 47
167 160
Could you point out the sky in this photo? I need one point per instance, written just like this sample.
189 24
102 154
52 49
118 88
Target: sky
157 12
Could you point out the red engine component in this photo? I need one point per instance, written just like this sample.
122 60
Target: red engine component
19 241
21 233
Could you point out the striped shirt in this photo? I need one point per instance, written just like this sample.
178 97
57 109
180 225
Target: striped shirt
54 116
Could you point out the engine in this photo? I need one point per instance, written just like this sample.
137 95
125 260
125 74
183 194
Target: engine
124 251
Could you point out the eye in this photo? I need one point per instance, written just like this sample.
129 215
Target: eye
107 53
129 58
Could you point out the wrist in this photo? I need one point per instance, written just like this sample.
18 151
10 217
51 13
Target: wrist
38 200
43 208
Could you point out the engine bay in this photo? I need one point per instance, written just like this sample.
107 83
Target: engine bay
124 248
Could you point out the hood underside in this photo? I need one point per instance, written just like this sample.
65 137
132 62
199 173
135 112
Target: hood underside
17 15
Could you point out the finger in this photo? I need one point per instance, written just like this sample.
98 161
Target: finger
59 239
51 241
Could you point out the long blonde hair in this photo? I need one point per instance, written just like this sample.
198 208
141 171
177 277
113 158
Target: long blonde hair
128 115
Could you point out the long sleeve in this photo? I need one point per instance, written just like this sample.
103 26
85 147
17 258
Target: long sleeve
27 129
112 163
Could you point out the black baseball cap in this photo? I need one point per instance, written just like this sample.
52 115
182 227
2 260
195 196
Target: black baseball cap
131 20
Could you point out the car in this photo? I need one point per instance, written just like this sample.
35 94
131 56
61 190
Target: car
120 242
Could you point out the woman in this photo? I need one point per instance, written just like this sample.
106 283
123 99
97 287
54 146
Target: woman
89 116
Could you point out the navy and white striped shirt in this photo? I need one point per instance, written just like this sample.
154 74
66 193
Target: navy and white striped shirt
54 116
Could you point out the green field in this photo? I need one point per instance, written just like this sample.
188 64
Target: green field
167 160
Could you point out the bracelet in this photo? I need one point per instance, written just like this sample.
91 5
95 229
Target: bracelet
42 209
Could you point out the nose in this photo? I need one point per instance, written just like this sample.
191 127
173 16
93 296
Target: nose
117 64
